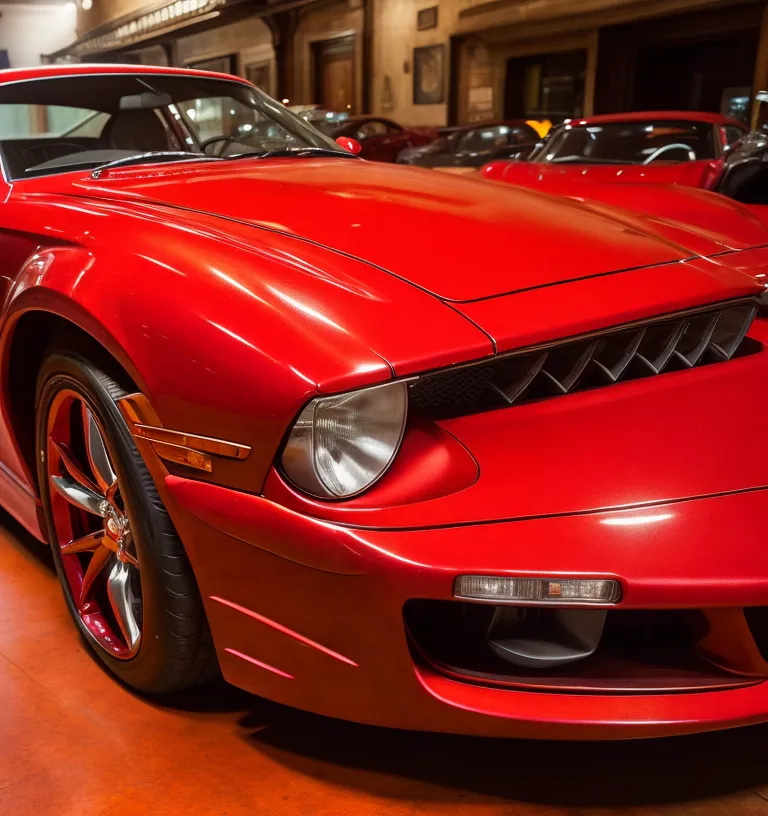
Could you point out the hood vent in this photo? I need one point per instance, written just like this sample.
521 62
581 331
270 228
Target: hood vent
674 343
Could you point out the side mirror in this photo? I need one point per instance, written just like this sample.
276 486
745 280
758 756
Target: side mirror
350 144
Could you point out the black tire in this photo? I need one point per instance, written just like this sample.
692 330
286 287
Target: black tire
176 650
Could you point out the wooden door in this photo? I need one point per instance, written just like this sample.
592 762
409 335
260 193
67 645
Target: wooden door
335 74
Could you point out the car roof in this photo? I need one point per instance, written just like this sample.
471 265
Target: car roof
97 69
651 116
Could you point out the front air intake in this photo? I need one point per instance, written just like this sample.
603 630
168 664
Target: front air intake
643 349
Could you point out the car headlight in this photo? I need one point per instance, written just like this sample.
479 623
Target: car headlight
341 445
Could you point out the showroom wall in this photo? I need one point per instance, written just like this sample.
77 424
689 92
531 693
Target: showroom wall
487 33
249 41
103 11
28 31
396 36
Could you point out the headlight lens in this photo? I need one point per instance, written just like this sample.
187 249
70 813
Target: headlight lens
341 445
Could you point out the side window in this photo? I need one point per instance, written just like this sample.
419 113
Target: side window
391 127
486 138
370 129
20 121
90 127
519 136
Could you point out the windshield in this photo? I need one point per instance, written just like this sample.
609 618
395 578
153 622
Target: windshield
486 138
628 143
58 124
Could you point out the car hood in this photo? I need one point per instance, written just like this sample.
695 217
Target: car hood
459 239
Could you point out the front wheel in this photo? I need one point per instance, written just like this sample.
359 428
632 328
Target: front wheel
126 577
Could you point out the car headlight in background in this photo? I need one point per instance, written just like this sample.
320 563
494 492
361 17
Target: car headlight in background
341 445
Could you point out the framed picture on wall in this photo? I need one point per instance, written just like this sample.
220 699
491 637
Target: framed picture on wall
429 75
259 74
221 65
426 18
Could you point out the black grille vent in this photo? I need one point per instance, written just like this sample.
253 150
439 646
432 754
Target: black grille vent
625 353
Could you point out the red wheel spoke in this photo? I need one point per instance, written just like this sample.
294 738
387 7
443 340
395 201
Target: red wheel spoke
98 561
74 470
84 544
98 458
129 559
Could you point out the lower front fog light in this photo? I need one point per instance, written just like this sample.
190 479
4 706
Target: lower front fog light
537 590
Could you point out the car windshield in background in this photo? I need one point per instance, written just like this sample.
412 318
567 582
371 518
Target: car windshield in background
628 143
57 124
486 138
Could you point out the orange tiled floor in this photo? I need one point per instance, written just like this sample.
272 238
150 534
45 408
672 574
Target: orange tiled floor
75 743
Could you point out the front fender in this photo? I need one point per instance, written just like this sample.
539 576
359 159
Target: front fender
227 337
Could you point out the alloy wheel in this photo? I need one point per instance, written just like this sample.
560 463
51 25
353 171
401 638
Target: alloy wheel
92 528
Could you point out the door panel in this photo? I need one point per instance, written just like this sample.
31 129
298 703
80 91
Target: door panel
334 74
337 83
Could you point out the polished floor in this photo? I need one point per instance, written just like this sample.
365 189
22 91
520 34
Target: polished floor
75 743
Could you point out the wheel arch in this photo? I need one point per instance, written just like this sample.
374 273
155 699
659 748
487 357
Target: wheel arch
27 339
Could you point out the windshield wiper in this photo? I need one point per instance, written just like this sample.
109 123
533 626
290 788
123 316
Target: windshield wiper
296 153
152 157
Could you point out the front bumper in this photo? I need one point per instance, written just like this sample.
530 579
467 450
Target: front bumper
310 613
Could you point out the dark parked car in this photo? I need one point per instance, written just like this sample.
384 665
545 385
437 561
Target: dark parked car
381 139
744 175
475 145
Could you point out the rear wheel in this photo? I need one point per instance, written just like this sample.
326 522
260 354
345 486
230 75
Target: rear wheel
126 578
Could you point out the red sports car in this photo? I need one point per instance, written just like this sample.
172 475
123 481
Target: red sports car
382 444
664 147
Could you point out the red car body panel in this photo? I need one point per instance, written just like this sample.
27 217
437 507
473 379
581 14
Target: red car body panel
649 116
232 297
254 549
405 204
555 178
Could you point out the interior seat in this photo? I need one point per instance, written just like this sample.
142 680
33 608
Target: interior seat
139 130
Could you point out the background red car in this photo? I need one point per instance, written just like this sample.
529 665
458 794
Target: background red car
666 147
381 139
